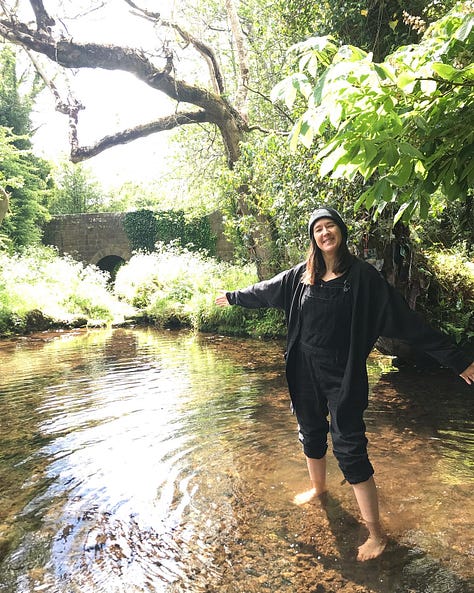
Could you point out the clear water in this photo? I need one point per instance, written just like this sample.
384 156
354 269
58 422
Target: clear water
143 460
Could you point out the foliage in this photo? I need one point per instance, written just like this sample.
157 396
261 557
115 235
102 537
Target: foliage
404 125
59 288
136 196
15 109
375 26
449 298
282 188
141 228
23 175
447 227
26 178
193 233
175 288
145 228
76 191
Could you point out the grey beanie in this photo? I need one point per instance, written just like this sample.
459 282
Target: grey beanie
327 213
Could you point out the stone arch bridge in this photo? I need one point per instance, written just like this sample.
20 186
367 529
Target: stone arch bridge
101 239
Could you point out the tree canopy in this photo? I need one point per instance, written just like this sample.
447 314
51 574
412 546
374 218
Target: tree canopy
24 178
405 125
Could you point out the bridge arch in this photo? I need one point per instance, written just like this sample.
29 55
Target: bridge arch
110 259
90 238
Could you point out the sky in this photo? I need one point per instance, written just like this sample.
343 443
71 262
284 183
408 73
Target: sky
113 100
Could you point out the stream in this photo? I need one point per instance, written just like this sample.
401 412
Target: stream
143 460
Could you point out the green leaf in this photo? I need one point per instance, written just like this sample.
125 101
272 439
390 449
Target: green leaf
384 72
370 150
408 149
287 89
406 82
424 206
401 176
319 88
400 212
295 134
306 134
336 114
382 190
329 147
329 162
317 119
445 71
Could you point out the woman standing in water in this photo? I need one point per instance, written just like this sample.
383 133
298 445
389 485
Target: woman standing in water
336 307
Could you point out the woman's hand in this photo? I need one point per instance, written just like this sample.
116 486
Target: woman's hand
468 374
221 300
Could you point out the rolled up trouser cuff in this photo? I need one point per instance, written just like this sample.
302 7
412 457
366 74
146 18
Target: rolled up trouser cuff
314 451
356 471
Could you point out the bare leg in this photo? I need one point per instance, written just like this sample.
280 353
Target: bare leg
367 499
317 475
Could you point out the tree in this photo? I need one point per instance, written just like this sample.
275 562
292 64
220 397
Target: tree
76 191
196 100
157 71
24 178
15 109
26 182
406 125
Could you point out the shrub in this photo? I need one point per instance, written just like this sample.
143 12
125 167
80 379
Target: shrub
59 288
177 288
449 298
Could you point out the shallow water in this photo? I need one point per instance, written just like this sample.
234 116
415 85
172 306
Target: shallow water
142 460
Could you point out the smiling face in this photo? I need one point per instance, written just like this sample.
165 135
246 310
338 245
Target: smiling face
328 236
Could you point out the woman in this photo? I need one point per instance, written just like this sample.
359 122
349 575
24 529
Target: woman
336 307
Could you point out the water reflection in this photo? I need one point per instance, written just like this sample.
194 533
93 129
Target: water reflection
137 460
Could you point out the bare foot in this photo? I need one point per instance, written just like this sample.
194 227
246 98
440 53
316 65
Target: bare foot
371 548
309 495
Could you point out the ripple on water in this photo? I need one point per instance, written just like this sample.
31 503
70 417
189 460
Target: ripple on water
159 461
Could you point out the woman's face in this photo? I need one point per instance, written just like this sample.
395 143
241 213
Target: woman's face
328 236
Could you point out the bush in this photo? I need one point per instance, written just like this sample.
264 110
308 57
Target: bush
38 284
177 288
449 298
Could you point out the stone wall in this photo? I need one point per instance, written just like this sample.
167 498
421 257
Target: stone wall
89 237
93 237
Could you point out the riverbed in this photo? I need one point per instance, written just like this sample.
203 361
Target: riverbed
141 460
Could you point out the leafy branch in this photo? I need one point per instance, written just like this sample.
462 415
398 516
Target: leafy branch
406 125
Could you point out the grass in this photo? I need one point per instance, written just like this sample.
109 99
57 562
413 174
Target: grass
168 288
37 287
176 288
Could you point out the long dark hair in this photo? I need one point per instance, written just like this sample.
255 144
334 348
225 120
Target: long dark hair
316 266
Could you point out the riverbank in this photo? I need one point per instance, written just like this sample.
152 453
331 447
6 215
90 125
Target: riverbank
169 288
40 291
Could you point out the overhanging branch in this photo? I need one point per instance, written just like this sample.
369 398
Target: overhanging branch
205 50
83 153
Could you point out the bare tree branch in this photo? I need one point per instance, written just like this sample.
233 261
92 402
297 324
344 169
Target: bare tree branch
208 54
155 16
71 54
141 131
265 98
69 106
43 20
